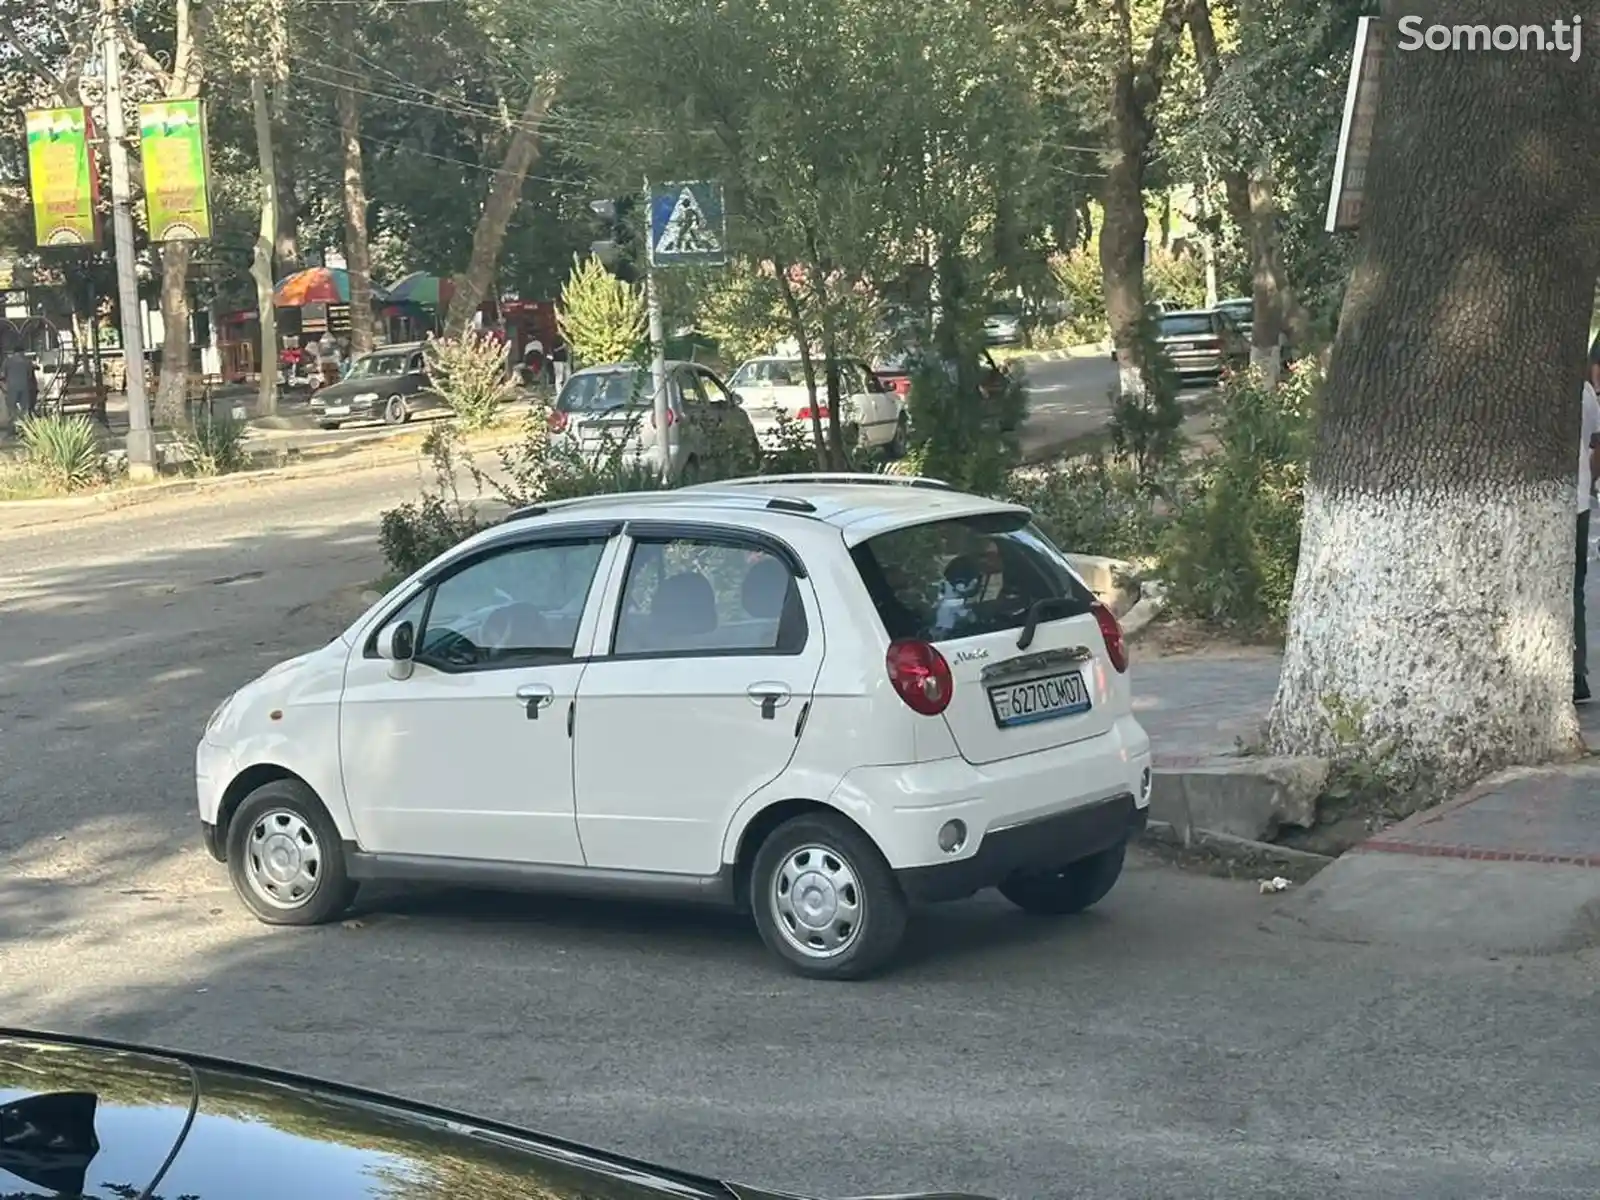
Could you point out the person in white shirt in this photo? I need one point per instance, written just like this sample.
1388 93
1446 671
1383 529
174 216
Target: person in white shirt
1588 459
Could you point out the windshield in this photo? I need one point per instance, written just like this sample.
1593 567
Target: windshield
769 372
1186 325
965 577
605 391
372 365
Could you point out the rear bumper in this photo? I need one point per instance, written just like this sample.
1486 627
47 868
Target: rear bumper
1042 844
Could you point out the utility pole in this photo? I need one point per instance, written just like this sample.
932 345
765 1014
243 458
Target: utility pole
141 438
665 431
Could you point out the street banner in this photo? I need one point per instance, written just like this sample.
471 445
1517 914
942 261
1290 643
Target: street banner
63 180
176 170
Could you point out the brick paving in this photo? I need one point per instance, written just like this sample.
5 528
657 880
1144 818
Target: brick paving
1546 816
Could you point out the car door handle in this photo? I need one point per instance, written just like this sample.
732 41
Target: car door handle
770 696
535 696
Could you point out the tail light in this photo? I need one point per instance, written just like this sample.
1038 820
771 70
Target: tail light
806 413
921 676
1111 631
558 421
672 419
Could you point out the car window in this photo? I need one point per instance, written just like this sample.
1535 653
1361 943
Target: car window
712 386
965 577
769 372
850 380
874 384
693 596
605 391
1189 325
688 388
517 607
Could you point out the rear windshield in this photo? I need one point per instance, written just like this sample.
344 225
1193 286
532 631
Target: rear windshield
769 372
966 577
1189 326
605 391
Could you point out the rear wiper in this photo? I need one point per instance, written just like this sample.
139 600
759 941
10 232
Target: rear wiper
1036 612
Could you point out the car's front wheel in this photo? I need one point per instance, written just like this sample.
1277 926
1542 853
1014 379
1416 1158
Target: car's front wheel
286 858
1069 889
327 424
825 900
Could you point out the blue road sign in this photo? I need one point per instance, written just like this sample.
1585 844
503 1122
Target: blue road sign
688 225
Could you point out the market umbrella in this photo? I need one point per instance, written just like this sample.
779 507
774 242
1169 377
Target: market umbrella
316 285
423 290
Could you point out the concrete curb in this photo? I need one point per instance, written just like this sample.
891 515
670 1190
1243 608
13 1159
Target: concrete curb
32 514
1298 866
1152 603
1084 350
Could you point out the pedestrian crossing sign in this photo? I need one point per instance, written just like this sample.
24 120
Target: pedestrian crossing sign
688 225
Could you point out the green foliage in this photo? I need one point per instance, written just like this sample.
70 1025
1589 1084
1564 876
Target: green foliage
959 434
603 319
1179 278
413 534
1146 427
744 312
63 452
213 444
1230 557
1082 286
469 373
1092 505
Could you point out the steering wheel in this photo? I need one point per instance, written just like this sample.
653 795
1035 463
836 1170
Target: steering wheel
454 648
514 626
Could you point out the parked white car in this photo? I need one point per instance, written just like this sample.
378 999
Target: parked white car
609 411
818 698
874 416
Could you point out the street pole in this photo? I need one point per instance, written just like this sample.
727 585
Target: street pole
665 434
141 439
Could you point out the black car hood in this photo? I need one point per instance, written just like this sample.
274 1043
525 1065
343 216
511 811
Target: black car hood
112 1122
383 385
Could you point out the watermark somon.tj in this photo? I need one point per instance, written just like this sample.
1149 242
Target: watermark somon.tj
1558 37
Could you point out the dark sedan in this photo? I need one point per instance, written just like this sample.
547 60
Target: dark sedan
92 1119
388 385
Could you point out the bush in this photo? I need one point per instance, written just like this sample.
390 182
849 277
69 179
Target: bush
214 445
469 374
1146 427
1179 278
413 534
1082 286
602 318
1093 505
63 452
1231 555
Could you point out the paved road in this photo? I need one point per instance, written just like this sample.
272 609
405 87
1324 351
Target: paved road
1167 1045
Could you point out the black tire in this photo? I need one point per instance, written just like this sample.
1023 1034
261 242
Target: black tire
1072 889
327 424
395 411
289 809
873 939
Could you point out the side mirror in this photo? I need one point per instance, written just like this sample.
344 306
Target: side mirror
397 643
738 400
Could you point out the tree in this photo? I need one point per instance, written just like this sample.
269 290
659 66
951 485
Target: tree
357 253
602 318
1432 610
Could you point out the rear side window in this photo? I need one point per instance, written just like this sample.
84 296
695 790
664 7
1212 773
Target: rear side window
966 577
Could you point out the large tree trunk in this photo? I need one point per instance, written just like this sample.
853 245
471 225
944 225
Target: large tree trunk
1135 89
1432 614
173 386
266 240
358 259
490 234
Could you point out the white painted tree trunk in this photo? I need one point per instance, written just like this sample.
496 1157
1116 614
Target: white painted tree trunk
1268 360
1432 631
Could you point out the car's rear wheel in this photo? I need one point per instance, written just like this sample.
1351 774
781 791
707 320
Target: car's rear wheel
1069 889
825 900
327 424
286 858
395 411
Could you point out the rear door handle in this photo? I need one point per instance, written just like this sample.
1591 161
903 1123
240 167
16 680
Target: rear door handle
770 696
535 696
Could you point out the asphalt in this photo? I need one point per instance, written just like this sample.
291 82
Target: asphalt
1177 1042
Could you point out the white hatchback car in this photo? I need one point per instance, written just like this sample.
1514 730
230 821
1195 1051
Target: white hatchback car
817 698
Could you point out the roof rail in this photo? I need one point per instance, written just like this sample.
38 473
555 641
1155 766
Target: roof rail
841 477
702 493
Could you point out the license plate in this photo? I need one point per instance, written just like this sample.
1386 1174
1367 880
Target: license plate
337 410
1183 346
1034 700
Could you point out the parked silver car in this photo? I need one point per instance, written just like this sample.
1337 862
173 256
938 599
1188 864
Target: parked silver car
608 413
